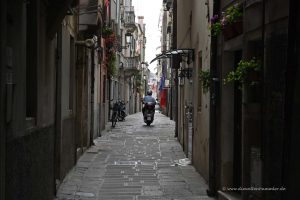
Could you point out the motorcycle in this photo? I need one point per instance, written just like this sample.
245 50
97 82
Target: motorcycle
149 110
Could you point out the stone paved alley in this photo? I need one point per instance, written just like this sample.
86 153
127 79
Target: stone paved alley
136 162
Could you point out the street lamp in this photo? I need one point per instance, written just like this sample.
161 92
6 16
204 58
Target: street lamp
145 63
128 39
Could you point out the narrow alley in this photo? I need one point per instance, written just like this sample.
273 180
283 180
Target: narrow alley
134 161
224 75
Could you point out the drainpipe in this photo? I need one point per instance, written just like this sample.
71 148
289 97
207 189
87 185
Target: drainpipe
175 67
214 105
92 97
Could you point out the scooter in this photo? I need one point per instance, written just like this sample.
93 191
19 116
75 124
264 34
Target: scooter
149 111
121 110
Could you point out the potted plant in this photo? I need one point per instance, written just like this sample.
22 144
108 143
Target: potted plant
230 22
111 41
205 78
215 26
106 31
246 73
112 69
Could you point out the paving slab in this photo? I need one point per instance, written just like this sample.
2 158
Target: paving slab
134 162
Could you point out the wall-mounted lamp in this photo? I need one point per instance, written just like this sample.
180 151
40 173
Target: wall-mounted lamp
184 73
121 65
145 63
128 39
88 42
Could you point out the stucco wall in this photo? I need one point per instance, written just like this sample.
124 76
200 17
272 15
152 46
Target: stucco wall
227 122
30 166
29 147
66 110
201 43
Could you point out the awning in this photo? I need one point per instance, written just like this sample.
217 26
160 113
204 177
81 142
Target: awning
182 52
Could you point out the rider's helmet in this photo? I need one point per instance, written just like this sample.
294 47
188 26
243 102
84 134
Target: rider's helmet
149 92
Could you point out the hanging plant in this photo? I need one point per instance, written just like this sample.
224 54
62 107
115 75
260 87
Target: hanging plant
215 26
138 79
111 42
205 78
112 68
231 15
106 31
242 74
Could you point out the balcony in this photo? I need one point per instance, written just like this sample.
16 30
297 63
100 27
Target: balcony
132 64
129 18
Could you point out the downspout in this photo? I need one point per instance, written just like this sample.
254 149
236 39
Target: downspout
100 89
214 105
175 67
92 96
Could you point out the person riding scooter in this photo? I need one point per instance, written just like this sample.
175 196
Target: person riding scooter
149 108
147 99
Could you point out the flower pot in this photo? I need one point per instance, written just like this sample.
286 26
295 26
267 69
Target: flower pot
238 27
228 32
233 30
253 77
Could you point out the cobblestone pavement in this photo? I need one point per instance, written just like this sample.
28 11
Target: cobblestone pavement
134 162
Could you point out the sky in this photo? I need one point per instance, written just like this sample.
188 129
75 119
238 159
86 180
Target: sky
150 9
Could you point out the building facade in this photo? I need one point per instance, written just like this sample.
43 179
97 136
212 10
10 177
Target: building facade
57 79
235 128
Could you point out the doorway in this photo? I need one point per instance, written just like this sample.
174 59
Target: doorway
237 139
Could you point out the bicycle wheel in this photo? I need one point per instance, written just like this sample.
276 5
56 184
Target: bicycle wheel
114 119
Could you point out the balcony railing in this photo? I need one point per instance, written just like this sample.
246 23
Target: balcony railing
132 63
129 17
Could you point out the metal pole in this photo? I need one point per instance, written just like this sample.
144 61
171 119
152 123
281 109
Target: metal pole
175 67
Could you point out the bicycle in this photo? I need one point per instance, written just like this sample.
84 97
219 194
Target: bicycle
114 116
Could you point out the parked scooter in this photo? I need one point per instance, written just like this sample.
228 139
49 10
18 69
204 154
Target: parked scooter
149 110
121 110
118 112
